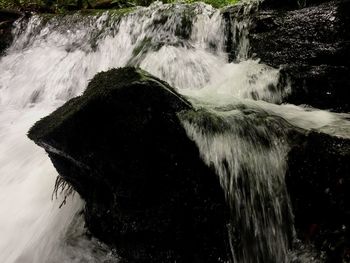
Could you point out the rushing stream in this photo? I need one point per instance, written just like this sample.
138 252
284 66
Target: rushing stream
53 58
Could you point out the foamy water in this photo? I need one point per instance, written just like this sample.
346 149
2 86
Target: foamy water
52 60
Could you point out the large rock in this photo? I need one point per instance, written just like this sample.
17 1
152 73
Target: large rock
318 181
288 4
312 45
122 147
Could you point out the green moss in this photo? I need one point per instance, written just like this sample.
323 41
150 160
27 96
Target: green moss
99 90
113 12
205 119
99 86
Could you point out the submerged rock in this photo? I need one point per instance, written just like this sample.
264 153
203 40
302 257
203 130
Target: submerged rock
122 147
312 46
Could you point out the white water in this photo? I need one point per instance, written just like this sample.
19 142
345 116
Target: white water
52 61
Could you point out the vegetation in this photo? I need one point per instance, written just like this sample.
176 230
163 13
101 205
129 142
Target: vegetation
68 5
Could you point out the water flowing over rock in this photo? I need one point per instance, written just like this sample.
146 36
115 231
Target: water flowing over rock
122 148
7 18
245 159
249 160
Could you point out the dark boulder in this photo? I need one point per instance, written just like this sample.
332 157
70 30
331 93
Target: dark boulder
289 4
318 182
122 147
312 46
7 17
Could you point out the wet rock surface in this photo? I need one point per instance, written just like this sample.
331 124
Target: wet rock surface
147 191
289 4
312 46
7 17
318 182
122 147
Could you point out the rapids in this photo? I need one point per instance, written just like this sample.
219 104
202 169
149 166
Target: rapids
53 58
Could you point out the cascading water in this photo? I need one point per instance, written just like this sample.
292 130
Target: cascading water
52 60
247 148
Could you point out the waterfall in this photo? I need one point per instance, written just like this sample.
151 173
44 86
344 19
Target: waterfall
247 148
53 58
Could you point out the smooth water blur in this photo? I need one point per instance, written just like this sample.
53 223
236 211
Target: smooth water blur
53 59
247 149
32 227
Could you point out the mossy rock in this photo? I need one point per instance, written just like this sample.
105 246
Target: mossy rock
122 147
